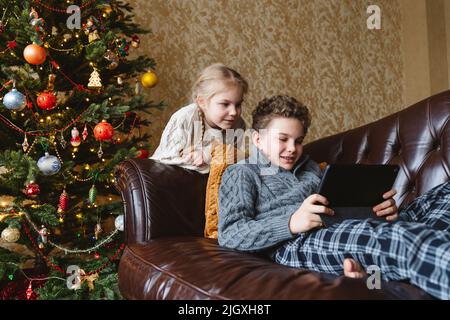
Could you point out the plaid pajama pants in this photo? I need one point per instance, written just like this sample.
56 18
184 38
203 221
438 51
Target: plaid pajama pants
415 248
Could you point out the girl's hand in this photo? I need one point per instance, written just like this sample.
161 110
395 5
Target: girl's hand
194 158
387 208
306 217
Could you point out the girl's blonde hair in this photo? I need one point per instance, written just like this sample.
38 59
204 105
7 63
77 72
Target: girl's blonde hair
206 84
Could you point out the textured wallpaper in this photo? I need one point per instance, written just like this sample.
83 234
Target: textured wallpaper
319 51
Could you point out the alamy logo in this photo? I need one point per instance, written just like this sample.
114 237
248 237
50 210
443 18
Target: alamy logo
74 20
374 20
374 279
74 278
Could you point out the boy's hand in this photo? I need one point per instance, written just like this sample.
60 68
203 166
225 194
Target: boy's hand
387 208
306 217
195 158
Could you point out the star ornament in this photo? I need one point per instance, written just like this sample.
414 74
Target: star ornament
12 44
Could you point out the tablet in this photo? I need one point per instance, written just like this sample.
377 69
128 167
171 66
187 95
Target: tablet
353 190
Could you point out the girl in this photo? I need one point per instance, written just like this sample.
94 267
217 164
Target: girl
187 138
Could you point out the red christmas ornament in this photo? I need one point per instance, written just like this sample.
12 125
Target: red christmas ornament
32 189
85 132
46 101
103 131
34 54
75 140
142 154
12 44
62 202
29 291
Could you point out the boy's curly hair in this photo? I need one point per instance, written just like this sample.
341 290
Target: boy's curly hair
280 106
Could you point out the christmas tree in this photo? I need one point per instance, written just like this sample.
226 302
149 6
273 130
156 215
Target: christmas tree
71 110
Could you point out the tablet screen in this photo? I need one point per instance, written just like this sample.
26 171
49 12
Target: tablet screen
357 185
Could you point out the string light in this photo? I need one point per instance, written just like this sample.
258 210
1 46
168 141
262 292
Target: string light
122 246
17 128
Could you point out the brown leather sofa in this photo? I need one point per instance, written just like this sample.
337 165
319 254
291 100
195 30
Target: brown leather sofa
166 256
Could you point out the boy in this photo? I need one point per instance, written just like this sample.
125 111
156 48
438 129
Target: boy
269 204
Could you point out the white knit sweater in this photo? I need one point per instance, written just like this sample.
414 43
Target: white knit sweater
183 134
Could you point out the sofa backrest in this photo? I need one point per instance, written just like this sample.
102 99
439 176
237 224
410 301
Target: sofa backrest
416 138
160 200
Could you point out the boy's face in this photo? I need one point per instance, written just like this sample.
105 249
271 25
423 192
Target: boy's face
281 141
223 109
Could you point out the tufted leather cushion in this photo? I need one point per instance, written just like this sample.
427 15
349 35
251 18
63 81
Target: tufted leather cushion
416 138
167 257
160 200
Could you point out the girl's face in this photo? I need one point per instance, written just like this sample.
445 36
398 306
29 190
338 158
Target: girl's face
223 109
281 141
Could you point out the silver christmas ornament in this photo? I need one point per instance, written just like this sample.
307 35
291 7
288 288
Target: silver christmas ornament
119 222
14 100
48 164
10 234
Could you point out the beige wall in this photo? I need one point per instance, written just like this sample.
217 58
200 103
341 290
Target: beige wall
319 51
447 34
425 47
415 53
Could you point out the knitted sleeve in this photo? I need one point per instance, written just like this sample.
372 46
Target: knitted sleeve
173 142
240 227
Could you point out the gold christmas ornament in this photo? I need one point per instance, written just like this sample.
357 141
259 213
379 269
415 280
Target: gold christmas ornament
6 201
10 234
106 9
51 82
149 79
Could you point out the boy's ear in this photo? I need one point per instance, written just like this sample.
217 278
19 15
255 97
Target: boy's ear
256 138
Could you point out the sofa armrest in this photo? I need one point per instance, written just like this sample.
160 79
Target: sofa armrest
160 200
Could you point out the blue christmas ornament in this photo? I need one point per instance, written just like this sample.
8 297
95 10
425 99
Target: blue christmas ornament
14 100
49 164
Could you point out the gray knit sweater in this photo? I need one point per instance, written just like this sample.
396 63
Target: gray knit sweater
257 199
